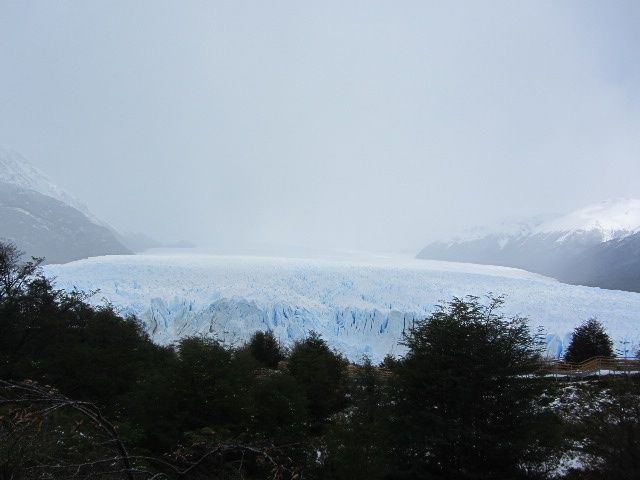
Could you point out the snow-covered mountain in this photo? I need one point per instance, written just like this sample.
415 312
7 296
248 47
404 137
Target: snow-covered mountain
44 220
565 247
609 220
17 171
360 307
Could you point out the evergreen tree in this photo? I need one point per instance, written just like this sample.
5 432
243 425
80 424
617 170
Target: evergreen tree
321 374
208 383
167 402
278 409
466 402
589 340
265 349
355 442
389 362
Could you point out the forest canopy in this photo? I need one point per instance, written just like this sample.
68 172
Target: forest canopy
84 393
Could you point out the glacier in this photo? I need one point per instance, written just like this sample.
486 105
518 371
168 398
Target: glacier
361 306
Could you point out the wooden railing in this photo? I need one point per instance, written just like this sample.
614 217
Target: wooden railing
593 366
381 372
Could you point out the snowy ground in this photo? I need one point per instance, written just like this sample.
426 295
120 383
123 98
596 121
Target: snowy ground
359 304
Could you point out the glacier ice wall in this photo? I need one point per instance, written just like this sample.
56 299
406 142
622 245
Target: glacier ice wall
360 307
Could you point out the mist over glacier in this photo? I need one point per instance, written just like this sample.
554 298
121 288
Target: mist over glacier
360 305
324 125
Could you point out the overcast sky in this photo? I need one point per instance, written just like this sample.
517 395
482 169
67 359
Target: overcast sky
347 124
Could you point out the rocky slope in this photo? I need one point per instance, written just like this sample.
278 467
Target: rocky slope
45 221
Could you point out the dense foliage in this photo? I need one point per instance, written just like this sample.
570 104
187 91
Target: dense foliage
589 340
84 393
265 349
469 401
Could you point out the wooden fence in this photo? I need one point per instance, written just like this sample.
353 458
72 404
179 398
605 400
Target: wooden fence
593 366
590 367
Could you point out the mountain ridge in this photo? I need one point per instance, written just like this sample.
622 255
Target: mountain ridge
44 220
583 247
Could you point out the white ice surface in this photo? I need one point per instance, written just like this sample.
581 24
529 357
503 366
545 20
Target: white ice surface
359 306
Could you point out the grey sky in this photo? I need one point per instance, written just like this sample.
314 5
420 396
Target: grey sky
371 125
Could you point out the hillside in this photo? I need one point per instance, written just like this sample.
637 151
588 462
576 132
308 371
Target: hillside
594 246
614 264
45 221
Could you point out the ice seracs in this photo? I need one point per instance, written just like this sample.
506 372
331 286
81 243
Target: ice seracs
359 307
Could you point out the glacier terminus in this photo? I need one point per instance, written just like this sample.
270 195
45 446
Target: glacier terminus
361 305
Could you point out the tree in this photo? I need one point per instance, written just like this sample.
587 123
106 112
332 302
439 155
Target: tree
15 274
355 442
45 434
204 405
589 340
58 338
466 400
265 349
278 408
321 374
208 386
